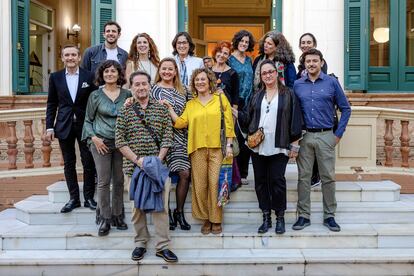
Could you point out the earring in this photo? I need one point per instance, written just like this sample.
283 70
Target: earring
149 54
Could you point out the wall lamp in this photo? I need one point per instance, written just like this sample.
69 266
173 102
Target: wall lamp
75 29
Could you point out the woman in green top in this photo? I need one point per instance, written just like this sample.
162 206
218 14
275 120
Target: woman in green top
99 130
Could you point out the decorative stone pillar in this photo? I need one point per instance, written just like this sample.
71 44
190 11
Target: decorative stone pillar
46 146
405 144
12 145
388 141
28 143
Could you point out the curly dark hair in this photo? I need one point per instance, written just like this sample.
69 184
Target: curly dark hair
99 80
312 51
211 79
238 37
189 39
283 52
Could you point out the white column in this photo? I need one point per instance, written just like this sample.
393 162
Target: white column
158 18
324 19
5 49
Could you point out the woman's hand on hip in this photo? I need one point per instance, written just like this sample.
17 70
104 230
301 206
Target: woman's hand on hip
101 148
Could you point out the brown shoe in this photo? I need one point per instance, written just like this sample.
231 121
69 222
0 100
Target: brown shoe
216 228
206 228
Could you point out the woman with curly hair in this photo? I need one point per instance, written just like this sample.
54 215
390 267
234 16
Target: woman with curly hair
143 55
202 117
274 46
242 43
99 132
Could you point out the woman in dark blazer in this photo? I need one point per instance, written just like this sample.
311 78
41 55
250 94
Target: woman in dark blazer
275 109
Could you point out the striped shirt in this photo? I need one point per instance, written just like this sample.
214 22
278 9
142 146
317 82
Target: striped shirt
131 131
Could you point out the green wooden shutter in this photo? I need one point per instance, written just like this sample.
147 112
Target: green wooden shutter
20 45
102 12
356 44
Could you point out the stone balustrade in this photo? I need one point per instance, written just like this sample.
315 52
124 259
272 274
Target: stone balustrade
20 126
358 148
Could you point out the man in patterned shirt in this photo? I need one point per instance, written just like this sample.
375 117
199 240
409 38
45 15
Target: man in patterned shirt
145 129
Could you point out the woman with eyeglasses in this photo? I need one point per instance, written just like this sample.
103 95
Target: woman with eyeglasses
184 48
99 132
202 117
168 87
143 55
274 109
274 46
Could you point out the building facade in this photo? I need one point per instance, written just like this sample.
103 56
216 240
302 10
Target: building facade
368 44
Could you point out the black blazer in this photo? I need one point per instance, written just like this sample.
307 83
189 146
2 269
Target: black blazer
59 100
289 117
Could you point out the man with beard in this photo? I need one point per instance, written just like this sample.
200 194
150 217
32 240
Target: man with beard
144 130
318 94
108 50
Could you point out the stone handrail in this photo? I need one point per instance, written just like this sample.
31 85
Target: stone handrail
27 116
358 146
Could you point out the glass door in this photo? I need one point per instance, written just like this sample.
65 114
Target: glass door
406 41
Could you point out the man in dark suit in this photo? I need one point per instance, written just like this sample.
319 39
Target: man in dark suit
69 90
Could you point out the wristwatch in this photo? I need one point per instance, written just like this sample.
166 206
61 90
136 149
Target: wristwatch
230 145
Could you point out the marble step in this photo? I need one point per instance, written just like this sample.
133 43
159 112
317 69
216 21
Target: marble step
211 262
345 191
243 236
37 210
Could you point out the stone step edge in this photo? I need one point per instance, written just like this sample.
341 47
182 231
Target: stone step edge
210 256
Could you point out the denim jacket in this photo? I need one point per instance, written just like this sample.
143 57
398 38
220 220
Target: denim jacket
96 54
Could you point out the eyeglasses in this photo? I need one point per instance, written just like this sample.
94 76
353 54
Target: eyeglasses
182 42
265 73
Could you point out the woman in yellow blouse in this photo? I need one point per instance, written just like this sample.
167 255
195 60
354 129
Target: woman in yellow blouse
202 116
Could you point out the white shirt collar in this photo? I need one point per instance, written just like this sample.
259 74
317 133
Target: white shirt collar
67 73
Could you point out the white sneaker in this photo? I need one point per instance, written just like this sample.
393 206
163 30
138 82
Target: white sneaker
244 181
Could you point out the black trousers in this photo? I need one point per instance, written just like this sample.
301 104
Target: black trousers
69 157
244 156
270 181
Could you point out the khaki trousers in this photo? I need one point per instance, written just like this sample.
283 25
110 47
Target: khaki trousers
205 171
322 146
160 221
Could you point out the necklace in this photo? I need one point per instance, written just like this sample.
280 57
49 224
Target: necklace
269 101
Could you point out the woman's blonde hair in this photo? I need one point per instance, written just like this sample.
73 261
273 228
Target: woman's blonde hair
211 80
176 81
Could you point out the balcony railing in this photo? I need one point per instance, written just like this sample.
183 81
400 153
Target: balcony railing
358 148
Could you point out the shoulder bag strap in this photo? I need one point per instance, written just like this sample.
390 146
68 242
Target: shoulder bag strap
150 130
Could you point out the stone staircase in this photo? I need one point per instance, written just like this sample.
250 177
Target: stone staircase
377 238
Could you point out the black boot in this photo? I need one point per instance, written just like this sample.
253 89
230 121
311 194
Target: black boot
267 222
173 223
179 217
280 222
119 223
105 227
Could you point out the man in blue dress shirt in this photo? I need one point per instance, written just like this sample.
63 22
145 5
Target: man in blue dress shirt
318 94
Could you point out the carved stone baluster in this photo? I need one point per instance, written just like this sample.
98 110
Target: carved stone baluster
28 143
46 146
12 145
388 141
405 144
